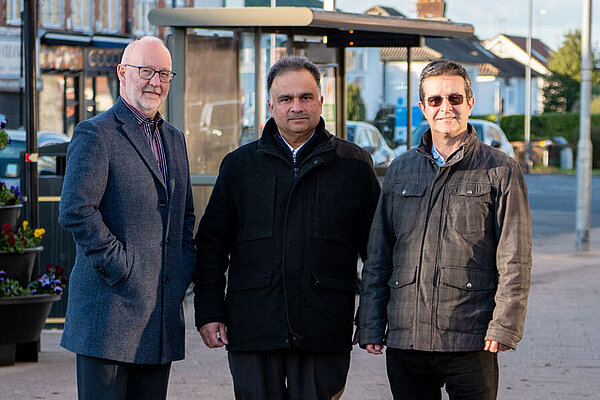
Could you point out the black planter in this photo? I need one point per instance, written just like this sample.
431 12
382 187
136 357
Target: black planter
21 321
10 215
19 266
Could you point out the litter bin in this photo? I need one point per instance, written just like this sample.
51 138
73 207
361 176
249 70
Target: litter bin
565 152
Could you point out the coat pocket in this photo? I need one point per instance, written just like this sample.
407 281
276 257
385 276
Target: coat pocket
466 299
255 204
253 279
469 207
407 207
401 306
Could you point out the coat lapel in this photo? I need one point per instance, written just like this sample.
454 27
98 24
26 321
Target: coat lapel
136 136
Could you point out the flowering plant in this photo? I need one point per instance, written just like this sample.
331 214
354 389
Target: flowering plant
4 139
52 282
9 197
24 238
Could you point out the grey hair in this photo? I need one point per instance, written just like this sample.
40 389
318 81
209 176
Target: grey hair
131 46
293 63
445 67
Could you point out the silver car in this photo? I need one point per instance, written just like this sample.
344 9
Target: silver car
488 132
369 138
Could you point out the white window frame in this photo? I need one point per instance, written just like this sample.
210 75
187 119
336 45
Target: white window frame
113 25
14 18
51 9
142 25
87 23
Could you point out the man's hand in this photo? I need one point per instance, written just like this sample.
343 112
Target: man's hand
495 347
214 334
375 349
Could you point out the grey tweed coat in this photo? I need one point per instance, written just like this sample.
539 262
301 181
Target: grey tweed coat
134 237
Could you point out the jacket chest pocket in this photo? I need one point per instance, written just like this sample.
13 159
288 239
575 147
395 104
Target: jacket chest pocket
256 207
408 208
469 207
337 210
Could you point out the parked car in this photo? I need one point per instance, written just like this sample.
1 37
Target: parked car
9 157
369 138
488 132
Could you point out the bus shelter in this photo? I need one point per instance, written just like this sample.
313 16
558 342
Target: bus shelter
222 56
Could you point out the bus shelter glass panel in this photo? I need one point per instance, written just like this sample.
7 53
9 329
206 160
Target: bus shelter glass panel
273 47
213 100
248 86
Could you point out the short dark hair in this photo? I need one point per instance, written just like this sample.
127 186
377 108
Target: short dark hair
445 67
292 63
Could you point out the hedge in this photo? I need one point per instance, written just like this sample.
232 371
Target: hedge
548 126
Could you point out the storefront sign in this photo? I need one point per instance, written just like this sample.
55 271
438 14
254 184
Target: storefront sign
102 60
62 58
10 54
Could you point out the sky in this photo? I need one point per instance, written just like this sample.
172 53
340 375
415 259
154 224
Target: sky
552 19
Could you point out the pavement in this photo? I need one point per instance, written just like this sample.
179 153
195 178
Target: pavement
558 358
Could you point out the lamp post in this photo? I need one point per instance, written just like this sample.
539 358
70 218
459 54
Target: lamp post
527 134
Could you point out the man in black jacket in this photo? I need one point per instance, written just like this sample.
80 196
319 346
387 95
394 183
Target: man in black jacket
287 219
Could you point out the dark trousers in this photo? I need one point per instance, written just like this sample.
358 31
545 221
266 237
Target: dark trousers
420 375
101 379
288 374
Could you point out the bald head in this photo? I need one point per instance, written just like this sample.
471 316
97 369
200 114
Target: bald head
146 95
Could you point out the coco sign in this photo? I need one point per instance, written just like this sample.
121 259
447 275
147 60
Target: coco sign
98 60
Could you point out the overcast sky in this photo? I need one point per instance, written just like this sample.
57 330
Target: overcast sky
551 18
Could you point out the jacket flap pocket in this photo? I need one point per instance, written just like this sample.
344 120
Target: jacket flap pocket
253 279
330 280
409 189
403 277
471 189
469 279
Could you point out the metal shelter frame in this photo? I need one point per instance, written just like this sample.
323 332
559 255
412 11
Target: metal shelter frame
341 29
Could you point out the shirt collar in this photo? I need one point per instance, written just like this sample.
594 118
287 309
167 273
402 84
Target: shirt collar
141 118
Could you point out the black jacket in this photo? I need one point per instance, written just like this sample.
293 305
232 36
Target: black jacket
288 239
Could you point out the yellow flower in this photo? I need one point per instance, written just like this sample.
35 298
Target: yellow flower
38 233
25 224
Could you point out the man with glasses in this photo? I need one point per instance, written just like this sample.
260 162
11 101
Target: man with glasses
447 275
127 200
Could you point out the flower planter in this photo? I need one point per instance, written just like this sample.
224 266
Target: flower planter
19 266
21 321
10 214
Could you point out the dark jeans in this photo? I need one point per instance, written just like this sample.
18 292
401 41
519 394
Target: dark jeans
288 374
420 375
101 379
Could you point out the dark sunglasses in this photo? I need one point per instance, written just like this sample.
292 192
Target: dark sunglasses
453 99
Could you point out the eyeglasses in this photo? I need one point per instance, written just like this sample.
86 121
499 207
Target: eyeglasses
147 73
453 99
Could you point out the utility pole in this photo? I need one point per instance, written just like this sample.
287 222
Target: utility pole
31 120
527 134
584 146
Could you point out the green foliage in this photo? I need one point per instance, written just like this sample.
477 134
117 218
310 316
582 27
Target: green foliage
561 93
550 125
356 106
486 117
595 105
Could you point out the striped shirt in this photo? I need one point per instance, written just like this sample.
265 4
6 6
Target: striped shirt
151 128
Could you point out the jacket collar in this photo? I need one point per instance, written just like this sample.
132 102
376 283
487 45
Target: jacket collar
426 142
136 136
267 144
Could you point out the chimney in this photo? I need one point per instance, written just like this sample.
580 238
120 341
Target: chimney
431 9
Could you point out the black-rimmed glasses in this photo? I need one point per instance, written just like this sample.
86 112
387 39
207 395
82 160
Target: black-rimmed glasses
453 99
147 73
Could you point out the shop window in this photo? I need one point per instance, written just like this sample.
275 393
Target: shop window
52 13
109 16
13 12
82 14
140 12
51 103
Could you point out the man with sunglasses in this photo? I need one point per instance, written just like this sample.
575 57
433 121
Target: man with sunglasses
447 275
127 200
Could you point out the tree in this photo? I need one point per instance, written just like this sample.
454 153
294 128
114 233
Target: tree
356 105
561 93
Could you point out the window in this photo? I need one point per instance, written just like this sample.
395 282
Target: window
13 12
52 13
82 14
109 16
140 14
